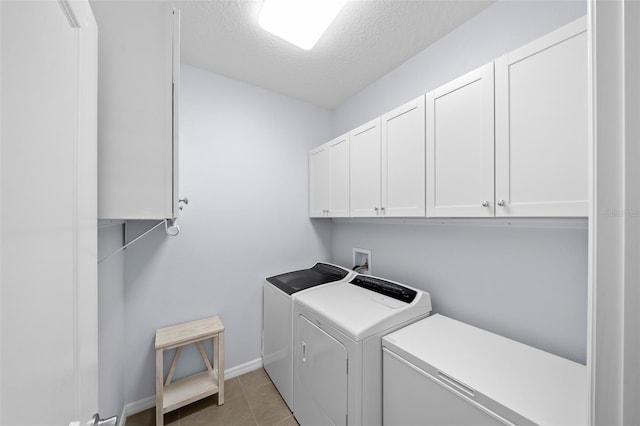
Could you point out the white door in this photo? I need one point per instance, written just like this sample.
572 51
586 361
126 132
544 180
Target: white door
339 176
364 157
460 140
319 182
542 126
48 202
321 366
403 160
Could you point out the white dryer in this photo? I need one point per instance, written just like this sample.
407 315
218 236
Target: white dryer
338 352
279 292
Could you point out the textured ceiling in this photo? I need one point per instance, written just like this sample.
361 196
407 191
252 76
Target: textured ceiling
368 39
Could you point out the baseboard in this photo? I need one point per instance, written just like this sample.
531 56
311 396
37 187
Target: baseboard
146 403
241 369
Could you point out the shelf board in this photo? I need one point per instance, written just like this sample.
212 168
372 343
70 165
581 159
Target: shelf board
188 390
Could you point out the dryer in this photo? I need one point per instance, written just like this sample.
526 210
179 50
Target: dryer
337 347
279 292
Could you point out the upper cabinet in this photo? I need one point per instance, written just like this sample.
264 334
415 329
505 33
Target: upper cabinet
542 126
387 164
460 147
403 160
139 59
508 139
365 159
329 179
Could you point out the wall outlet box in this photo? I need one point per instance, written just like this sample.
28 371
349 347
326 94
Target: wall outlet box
362 261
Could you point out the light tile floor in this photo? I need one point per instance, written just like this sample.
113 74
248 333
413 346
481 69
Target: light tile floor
249 400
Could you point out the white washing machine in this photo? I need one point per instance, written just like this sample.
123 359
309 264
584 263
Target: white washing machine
277 333
338 352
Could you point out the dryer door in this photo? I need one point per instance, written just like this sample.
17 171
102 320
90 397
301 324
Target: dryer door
321 365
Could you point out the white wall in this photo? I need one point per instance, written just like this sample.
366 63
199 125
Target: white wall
243 165
526 280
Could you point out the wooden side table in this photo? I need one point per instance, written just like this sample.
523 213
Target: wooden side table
173 395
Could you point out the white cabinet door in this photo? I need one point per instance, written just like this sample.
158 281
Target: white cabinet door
403 160
48 201
329 179
541 126
339 176
460 140
319 182
365 160
138 84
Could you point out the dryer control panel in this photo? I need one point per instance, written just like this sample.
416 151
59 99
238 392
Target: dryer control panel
387 288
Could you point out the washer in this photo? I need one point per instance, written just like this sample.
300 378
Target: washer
279 292
338 352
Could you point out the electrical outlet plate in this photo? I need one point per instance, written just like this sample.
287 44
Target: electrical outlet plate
362 257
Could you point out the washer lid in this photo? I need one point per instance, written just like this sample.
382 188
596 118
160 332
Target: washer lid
320 273
360 312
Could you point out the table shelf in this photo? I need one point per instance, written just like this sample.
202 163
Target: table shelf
189 389
173 395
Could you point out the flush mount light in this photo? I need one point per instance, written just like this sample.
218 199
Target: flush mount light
300 22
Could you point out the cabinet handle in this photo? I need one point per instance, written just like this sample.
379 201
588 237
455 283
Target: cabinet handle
501 203
485 204
376 209
455 384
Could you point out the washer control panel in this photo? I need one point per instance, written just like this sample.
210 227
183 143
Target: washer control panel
387 288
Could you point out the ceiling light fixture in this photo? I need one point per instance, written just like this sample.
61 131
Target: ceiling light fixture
300 22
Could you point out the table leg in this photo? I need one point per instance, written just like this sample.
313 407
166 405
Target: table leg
220 363
159 388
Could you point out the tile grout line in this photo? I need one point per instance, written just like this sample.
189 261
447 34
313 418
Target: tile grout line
253 416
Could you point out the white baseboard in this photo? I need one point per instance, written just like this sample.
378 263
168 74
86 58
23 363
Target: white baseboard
241 369
149 402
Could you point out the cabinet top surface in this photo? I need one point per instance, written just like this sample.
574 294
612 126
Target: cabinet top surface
188 332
